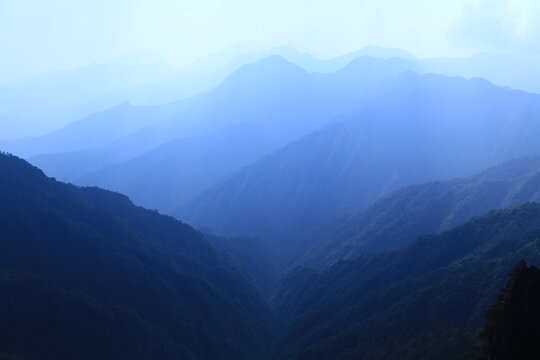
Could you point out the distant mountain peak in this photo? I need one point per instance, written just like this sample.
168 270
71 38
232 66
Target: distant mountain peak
273 62
270 68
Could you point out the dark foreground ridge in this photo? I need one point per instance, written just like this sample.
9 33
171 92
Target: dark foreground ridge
86 274
424 302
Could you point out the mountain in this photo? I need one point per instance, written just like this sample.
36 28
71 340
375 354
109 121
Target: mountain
140 79
47 102
329 65
125 102
173 173
65 96
334 64
205 74
86 274
258 109
516 69
396 220
275 91
422 302
201 75
420 129
94 131
259 83
272 92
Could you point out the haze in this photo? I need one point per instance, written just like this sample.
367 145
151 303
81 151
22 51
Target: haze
41 36
269 180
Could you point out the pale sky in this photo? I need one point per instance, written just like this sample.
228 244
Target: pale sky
42 35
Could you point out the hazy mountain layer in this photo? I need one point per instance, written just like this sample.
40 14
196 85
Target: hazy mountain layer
94 131
280 101
126 132
396 220
175 172
421 128
50 101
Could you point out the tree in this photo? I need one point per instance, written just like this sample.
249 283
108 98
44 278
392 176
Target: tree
512 328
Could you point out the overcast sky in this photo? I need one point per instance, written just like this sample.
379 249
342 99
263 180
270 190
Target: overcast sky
43 35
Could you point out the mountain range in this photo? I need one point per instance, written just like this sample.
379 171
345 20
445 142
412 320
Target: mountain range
48 102
426 301
276 109
118 281
420 129
360 206
273 99
61 97
396 220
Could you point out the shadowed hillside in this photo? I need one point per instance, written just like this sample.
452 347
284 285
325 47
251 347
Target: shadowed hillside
396 220
424 302
84 273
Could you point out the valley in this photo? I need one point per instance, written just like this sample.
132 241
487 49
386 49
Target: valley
206 181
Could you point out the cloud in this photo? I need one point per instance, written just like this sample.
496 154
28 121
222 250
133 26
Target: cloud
499 24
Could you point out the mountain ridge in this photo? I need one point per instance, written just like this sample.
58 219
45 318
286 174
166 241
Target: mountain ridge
153 284
397 219
422 128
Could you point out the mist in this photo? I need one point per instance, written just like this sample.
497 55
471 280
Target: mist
270 180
